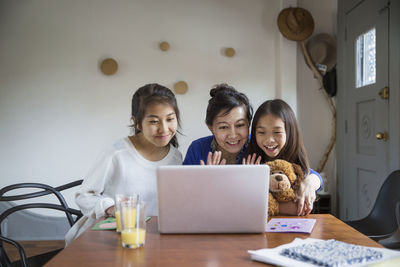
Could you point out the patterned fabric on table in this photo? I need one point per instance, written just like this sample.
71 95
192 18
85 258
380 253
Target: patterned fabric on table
332 253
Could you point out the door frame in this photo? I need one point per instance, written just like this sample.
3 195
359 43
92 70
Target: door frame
344 6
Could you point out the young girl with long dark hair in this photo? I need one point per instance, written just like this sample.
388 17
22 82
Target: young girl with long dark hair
275 135
129 165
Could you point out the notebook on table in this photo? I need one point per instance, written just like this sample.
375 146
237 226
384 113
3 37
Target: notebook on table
212 199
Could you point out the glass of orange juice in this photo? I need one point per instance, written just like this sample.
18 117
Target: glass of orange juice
133 223
119 198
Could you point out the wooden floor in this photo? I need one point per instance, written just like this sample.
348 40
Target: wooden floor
34 247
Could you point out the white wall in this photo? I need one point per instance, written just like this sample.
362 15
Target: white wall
58 111
314 113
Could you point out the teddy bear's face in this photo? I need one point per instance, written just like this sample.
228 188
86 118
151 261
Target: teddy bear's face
278 181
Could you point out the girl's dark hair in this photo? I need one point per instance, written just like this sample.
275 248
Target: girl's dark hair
225 98
147 95
294 150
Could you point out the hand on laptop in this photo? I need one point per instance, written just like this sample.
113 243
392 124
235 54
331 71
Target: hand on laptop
214 159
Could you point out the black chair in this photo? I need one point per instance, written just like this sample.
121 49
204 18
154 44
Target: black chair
383 220
72 215
394 242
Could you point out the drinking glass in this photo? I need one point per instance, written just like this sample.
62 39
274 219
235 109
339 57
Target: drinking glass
119 198
133 223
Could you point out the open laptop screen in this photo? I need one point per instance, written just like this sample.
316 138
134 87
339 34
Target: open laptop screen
212 198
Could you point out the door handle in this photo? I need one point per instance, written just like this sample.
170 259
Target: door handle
381 136
384 93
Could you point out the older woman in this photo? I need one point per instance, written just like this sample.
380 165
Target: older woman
228 117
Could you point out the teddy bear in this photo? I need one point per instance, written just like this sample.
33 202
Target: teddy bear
285 179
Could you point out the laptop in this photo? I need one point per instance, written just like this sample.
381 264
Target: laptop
212 198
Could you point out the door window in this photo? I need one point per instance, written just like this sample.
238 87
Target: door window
366 59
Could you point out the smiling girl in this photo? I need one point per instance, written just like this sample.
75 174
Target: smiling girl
275 135
129 165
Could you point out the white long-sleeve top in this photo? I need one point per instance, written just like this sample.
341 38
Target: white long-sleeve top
120 169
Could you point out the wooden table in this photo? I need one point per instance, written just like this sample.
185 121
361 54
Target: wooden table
103 248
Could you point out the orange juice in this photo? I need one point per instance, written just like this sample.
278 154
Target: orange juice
133 238
118 220
129 217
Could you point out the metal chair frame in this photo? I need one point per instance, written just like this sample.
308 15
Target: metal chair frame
44 190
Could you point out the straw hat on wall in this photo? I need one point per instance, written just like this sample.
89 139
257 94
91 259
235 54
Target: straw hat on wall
295 23
322 50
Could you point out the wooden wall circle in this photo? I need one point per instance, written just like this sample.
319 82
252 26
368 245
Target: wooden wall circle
164 46
109 66
181 87
230 52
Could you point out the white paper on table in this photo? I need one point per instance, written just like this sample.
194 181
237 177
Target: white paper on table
273 256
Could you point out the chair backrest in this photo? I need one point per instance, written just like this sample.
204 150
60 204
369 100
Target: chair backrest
384 210
44 190
72 215
398 214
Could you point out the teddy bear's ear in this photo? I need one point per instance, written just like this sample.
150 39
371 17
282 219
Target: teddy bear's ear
300 177
299 172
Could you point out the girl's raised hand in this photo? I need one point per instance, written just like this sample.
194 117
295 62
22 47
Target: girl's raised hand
306 194
251 160
214 159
